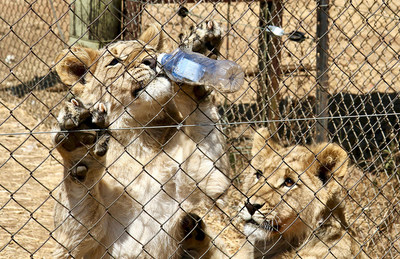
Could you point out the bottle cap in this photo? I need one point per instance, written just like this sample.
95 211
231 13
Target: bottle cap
160 62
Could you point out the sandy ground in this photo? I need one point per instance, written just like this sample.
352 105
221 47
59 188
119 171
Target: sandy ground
29 172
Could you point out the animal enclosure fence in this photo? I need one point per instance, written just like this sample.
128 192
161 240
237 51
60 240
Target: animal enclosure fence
282 92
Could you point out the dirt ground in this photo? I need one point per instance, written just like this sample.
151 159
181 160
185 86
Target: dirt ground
29 173
363 57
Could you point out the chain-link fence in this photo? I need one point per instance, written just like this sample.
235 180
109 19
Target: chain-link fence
179 177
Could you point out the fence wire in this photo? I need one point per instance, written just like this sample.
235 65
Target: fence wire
207 188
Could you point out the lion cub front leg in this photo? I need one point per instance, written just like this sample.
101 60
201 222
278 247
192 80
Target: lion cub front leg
206 39
82 141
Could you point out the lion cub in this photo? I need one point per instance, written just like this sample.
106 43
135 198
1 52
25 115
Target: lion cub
294 209
134 165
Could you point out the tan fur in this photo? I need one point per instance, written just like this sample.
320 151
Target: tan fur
132 200
75 62
294 209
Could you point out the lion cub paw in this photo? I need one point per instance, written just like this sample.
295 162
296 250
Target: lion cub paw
206 39
82 127
83 138
196 241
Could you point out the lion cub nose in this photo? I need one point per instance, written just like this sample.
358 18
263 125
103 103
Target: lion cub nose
151 62
252 208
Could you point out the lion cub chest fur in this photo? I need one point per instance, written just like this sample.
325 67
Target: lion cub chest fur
294 208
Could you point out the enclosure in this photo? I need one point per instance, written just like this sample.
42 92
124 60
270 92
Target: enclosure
333 76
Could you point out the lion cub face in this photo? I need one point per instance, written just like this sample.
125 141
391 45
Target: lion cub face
289 189
122 74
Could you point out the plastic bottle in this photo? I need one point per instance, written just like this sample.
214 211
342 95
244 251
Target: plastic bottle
195 69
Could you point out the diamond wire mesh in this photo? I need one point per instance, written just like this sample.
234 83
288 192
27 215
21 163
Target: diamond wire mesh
363 108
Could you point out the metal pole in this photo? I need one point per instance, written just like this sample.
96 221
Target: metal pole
269 61
57 22
132 19
322 70
95 23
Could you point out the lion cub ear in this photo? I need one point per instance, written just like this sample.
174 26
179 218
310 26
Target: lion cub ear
263 143
153 36
328 160
72 64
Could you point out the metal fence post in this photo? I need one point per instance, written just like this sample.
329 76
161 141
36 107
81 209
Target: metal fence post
132 19
322 70
269 61
95 23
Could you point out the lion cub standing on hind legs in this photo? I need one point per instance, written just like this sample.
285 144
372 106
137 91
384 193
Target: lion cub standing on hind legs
294 208
129 186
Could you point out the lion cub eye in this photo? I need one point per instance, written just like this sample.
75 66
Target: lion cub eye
114 62
259 173
288 182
